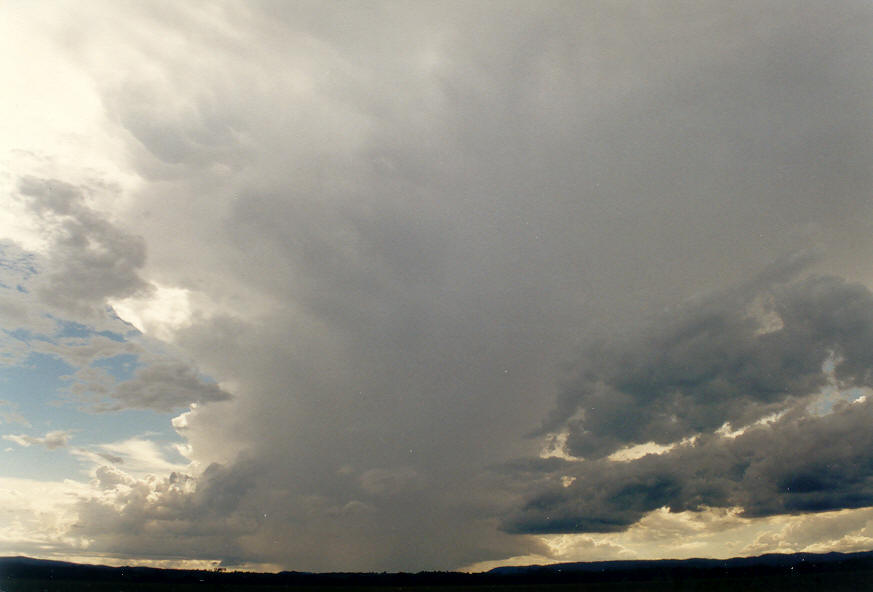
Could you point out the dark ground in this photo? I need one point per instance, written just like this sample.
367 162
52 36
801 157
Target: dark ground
798 572
831 582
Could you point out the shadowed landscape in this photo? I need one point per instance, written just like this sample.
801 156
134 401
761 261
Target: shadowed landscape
798 571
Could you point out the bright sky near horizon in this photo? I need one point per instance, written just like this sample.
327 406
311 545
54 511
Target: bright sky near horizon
434 284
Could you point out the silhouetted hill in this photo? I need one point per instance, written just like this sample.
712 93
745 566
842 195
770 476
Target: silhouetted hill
799 571
806 561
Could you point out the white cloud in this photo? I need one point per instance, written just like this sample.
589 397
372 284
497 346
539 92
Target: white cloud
138 456
82 351
843 531
9 414
159 314
38 516
52 440
713 532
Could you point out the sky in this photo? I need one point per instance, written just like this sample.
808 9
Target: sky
434 285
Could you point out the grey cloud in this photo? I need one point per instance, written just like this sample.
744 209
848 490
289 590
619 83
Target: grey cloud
716 361
83 351
167 517
17 312
798 464
116 460
52 440
90 258
31 284
159 382
388 482
412 218
163 386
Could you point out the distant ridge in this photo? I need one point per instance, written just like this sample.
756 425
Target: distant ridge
798 571
768 560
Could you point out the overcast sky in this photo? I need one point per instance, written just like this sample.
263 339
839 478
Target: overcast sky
434 285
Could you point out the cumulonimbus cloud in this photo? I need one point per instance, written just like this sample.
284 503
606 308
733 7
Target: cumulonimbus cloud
397 225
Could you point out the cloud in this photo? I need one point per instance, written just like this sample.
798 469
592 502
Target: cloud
90 258
160 517
110 478
388 482
34 324
163 386
406 271
9 414
84 351
52 440
716 361
840 531
37 516
392 230
111 457
796 464
17 311
140 456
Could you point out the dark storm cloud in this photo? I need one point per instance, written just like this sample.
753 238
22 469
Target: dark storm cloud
798 464
720 361
402 220
731 358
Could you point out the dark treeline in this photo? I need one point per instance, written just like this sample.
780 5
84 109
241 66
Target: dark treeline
783 569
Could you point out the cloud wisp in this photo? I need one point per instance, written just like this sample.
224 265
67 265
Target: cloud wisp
52 440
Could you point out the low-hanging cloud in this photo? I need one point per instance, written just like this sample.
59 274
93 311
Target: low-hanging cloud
157 517
795 465
730 360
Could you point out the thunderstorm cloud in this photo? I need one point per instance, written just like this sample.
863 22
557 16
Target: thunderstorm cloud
402 286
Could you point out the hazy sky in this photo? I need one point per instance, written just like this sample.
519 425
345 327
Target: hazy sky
434 285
